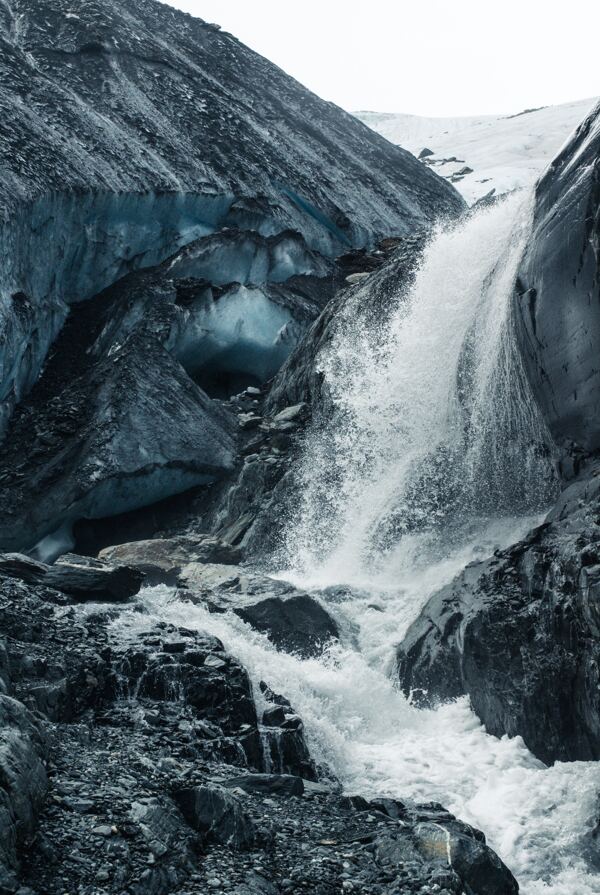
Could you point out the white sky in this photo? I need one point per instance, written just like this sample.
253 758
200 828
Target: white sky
428 57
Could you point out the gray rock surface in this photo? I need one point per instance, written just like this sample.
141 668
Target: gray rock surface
23 784
519 634
557 298
218 815
75 576
162 559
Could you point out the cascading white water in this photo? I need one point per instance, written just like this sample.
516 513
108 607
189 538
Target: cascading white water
432 425
431 458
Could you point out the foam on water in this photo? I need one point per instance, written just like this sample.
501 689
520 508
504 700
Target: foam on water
432 424
432 456
540 820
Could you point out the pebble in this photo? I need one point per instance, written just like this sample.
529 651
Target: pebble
103 830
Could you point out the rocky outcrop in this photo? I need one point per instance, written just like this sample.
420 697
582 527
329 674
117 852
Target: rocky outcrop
557 297
293 620
23 784
163 559
519 634
77 576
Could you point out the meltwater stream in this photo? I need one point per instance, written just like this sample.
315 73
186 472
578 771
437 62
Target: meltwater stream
432 455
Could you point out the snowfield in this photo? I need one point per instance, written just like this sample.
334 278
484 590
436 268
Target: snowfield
505 152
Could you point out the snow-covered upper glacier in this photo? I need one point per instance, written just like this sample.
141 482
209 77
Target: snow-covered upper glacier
505 152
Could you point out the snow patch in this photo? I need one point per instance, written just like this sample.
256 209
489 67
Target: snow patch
505 152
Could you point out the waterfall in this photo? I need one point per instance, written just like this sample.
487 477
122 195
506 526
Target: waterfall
433 454
432 426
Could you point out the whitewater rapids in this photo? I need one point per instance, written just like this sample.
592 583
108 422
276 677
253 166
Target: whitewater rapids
433 457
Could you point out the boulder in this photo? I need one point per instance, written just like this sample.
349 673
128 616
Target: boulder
268 784
455 853
217 815
518 634
75 576
162 559
296 624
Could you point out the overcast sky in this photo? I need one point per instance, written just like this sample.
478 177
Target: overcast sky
428 57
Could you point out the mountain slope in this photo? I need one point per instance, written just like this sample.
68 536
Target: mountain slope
505 152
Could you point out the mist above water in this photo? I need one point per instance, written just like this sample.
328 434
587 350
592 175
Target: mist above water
433 428
434 455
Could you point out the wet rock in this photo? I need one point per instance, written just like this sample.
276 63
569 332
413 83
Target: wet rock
207 679
425 153
75 576
218 815
23 784
274 716
297 624
269 784
162 559
557 292
288 753
518 634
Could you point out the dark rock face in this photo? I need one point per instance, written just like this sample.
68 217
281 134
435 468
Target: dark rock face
519 634
23 784
296 624
269 784
218 815
557 298
75 576
293 620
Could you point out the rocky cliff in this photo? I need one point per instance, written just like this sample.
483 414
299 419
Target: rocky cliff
558 311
